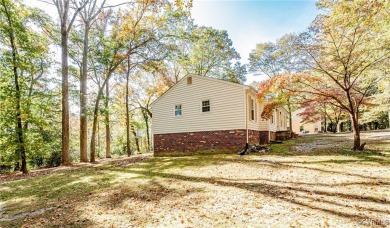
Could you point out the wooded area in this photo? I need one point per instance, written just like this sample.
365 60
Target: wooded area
93 100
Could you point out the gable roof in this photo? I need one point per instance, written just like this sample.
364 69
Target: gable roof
207 78
199 76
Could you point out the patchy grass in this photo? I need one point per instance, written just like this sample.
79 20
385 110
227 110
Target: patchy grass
311 181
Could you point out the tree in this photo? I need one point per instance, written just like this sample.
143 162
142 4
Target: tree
88 15
265 59
63 7
132 33
211 53
276 58
272 59
380 104
316 109
281 88
345 49
9 28
24 62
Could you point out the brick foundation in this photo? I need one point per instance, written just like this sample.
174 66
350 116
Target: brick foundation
228 141
264 137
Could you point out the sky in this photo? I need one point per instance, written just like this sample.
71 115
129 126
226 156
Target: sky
249 22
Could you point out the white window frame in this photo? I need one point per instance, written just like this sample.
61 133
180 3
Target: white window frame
201 105
252 110
281 120
181 110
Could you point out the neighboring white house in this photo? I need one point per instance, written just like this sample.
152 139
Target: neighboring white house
304 128
202 113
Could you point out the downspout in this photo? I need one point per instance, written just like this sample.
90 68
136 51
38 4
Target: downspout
246 116
269 126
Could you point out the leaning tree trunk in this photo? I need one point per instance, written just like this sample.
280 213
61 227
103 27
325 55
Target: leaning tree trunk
83 98
98 138
94 126
135 138
95 117
108 131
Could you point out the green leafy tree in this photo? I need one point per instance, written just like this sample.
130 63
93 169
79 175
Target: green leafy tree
25 127
211 53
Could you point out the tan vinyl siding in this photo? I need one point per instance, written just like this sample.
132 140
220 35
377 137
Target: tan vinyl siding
226 104
263 123
308 128
282 119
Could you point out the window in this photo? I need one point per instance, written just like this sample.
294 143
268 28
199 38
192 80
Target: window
272 118
206 106
189 81
281 120
177 110
252 109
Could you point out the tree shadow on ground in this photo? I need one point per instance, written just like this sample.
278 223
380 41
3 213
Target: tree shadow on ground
301 165
65 195
295 195
376 151
25 196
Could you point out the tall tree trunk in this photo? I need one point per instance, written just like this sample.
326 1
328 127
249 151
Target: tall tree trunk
19 128
21 150
289 115
325 124
128 143
108 132
65 87
146 119
83 97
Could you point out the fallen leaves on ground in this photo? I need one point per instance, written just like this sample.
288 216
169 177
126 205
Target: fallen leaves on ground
318 187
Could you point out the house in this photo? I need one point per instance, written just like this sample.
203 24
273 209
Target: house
207 114
304 128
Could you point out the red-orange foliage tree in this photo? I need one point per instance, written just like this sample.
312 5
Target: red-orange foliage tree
318 109
345 50
280 88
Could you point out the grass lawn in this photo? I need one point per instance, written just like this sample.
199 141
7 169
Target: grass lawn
308 182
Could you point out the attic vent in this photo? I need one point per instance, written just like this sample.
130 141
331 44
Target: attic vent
189 81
